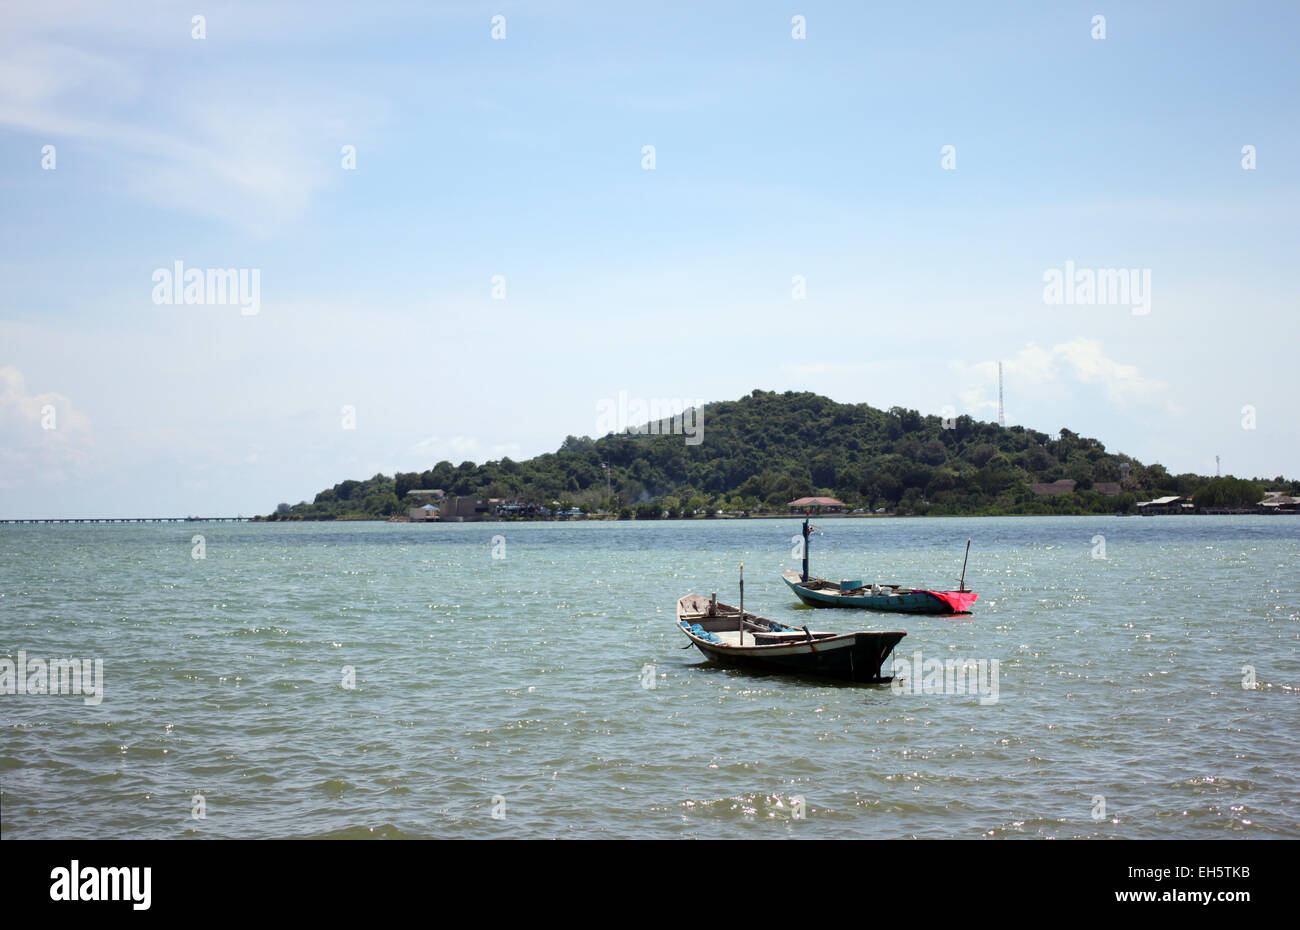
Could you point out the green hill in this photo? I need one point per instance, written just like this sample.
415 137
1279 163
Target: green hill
766 449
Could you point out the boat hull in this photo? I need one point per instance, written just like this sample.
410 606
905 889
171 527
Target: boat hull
908 602
860 660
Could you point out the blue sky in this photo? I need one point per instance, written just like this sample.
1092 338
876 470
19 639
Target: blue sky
522 157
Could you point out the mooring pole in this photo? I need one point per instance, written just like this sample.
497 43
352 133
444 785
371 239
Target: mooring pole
961 586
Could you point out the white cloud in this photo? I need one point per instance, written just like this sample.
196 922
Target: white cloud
1080 361
210 141
43 438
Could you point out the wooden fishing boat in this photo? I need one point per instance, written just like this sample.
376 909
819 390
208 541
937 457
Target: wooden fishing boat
731 636
818 592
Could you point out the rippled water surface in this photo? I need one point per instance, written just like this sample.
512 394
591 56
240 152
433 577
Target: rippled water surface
521 679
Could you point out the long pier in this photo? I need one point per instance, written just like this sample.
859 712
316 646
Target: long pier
128 520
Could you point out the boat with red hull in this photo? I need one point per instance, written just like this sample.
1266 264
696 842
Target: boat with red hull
818 592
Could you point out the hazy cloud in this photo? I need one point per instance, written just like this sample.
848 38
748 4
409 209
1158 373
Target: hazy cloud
43 438
212 141
1080 361
457 449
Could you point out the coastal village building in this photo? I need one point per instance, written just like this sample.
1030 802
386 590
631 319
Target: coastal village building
1277 502
518 508
817 504
468 510
423 514
425 496
1067 486
1051 489
1166 505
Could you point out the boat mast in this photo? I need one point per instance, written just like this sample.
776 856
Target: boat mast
805 547
961 585
742 604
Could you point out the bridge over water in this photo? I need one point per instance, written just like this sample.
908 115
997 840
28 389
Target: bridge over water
128 520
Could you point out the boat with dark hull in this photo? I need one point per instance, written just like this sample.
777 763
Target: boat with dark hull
818 592
731 636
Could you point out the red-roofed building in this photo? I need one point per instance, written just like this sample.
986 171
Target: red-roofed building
817 504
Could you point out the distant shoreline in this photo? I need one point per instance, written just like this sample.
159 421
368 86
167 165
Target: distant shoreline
614 519
762 516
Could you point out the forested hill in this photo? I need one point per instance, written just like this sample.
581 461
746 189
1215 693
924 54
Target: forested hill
766 449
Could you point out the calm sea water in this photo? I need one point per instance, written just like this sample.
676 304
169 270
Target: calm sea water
516 685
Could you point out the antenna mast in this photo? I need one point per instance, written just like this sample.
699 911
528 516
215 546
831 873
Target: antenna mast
1002 416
